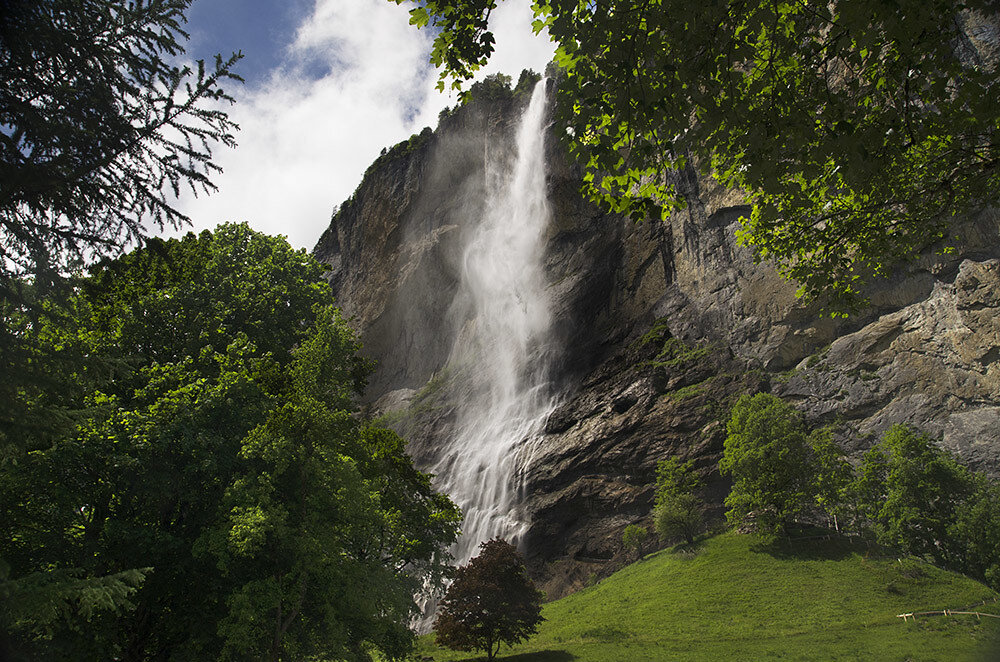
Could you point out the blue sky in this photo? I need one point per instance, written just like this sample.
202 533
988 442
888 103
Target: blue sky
329 84
261 29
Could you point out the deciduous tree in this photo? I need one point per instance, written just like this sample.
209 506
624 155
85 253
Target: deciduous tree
491 601
767 456
911 492
227 456
678 509
100 127
633 537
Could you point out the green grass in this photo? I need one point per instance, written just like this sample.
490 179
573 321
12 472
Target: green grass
726 598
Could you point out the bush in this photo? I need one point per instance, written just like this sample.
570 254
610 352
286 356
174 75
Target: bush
677 513
679 516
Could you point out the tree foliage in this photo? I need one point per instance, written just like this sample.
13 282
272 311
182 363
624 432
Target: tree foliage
633 537
976 529
491 601
912 492
225 454
907 493
99 128
832 475
677 512
767 454
858 129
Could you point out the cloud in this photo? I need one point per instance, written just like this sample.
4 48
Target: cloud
355 79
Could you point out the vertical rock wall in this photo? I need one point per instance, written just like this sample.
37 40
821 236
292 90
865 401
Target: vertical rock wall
663 325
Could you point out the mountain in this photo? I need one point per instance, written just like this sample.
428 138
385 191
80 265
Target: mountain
651 330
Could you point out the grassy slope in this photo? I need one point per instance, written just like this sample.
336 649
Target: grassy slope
728 600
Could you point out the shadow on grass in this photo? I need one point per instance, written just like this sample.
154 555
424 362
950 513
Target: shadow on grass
815 544
689 549
540 656
537 656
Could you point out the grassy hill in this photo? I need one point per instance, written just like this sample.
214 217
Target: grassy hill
726 598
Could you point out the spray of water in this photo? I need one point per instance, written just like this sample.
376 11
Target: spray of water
503 344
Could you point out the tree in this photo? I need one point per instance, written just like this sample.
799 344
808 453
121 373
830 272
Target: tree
858 129
911 492
100 128
678 510
491 601
976 530
832 474
633 537
225 454
766 454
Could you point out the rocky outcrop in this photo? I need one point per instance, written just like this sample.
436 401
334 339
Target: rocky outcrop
662 325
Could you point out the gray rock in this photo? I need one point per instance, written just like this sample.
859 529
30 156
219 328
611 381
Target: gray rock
925 352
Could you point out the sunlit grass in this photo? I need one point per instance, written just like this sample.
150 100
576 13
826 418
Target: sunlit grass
726 598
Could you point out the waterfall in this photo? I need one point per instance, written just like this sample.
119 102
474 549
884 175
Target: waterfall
503 343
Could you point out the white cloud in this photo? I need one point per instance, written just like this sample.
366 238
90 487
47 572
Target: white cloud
306 141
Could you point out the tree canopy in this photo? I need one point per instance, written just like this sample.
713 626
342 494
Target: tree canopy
677 511
491 601
225 462
912 491
767 454
100 126
858 130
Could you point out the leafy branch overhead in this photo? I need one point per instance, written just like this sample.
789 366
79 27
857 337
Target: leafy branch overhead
859 130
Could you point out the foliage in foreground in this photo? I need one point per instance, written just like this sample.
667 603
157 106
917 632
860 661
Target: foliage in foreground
101 128
223 455
491 602
858 129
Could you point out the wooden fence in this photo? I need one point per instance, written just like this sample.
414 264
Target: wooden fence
948 612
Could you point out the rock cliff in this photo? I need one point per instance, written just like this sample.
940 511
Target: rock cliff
660 327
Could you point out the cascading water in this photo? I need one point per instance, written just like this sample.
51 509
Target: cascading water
503 343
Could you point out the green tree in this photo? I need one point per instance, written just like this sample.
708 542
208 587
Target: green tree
832 475
858 129
99 129
767 455
491 601
911 492
976 530
226 454
633 537
677 511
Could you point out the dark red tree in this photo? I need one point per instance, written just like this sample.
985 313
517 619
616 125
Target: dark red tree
491 602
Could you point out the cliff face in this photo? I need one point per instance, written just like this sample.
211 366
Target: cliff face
660 327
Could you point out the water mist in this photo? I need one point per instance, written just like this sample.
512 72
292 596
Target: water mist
503 343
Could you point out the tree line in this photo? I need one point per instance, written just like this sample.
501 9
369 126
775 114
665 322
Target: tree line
905 493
